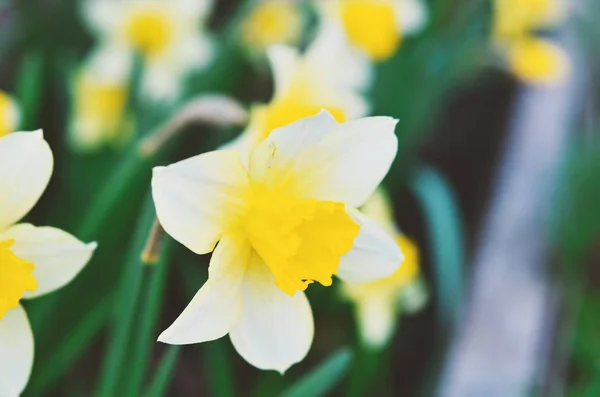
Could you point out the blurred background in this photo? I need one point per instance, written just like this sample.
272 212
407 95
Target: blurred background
496 186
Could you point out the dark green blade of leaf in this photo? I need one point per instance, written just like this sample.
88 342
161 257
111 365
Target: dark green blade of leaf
322 379
164 372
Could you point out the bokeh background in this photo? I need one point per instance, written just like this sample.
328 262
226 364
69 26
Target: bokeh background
497 183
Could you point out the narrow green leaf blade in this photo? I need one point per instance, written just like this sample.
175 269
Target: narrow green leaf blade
322 379
164 372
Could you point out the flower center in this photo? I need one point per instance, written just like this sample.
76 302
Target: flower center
371 26
150 31
300 240
273 22
283 112
15 278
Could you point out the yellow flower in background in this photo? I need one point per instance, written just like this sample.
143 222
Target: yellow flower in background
514 18
531 59
286 220
378 304
169 36
9 114
273 22
99 105
326 77
376 27
34 260
537 60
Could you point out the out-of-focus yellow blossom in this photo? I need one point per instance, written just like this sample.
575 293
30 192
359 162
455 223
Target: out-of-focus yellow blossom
285 220
376 27
531 59
169 35
537 60
9 114
326 77
99 107
33 260
273 22
378 304
514 18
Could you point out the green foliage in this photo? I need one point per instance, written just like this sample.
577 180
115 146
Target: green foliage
322 379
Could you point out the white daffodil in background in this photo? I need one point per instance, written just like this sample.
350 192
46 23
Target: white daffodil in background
327 76
378 304
99 103
10 115
272 22
169 35
532 59
283 222
33 260
376 27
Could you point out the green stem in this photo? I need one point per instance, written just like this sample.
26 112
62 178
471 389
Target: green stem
155 277
126 304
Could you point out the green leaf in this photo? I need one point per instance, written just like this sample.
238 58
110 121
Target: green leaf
30 84
163 374
126 303
71 347
154 280
322 379
445 231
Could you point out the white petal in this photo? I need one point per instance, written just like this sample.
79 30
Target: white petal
284 61
347 164
16 352
275 330
57 256
375 254
411 16
342 65
377 316
195 51
197 199
102 15
25 169
109 64
291 142
193 9
217 305
160 83
379 208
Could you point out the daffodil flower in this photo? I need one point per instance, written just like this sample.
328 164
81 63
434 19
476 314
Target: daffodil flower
99 103
306 84
33 260
378 304
530 58
376 27
283 222
169 35
272 22
10 114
